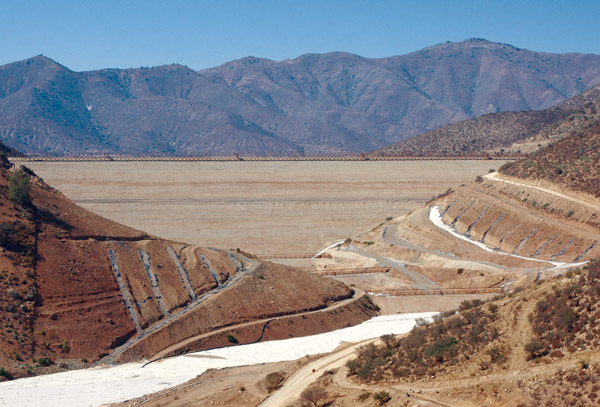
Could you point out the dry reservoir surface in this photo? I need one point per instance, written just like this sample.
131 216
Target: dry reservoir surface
273 209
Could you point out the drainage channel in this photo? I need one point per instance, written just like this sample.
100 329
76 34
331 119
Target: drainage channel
210 268
135 318
182 272
145 258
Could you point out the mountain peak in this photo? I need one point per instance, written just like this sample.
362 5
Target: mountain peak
470 43
475 39
43 61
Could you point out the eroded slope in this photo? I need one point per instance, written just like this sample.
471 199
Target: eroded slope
79 288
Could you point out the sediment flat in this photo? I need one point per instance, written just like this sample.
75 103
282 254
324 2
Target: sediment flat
273 209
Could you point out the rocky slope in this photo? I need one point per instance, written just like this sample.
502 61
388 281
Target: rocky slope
333 103
523 131
77 288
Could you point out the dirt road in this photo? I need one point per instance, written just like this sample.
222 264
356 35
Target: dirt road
495 176
357 294
295 384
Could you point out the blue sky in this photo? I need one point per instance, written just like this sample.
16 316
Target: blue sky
86 34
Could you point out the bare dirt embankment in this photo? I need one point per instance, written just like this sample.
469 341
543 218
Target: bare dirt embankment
528 233
274 210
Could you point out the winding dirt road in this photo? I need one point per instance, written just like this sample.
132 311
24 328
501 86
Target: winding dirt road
495 176
301 379
357 294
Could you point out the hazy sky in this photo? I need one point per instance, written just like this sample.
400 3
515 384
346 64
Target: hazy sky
87 34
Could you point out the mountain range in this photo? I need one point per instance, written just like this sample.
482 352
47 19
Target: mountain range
333 103
521 131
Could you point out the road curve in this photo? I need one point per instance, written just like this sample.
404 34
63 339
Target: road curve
357 294
494 176
302 378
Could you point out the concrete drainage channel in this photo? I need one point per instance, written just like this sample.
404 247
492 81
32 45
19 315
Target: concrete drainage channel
145 258
241 271
133 314
183 274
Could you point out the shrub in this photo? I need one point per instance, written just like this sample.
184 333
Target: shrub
313 395
440 347
273 381
44 361
353 365
535 349
422 322
19 187
232 339
389 340
5 373
382 397
497 355
364 395
12 236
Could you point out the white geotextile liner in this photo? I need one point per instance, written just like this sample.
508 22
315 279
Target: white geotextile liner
97 386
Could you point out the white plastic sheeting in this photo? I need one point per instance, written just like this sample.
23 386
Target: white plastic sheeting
102 385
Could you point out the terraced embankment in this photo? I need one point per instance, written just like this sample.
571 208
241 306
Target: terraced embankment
524 220
489 234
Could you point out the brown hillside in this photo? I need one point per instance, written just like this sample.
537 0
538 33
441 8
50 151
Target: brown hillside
573 163
78 287
503 132
540 347
333 103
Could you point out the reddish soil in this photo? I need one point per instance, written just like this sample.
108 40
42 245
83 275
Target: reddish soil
64 307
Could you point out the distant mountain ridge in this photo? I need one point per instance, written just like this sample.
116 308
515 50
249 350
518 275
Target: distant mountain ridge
334 103
523 131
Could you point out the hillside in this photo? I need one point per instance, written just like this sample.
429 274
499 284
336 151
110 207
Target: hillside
334 103
523 131
573 163
532 348
78 289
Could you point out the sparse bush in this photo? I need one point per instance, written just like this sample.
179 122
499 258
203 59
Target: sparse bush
421 322
388 340
497 355
440 347
5 373
313 395
44 361
364 395
382 397
19 188
273 381
535 349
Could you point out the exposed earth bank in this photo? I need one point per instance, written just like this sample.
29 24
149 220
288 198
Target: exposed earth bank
79 288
